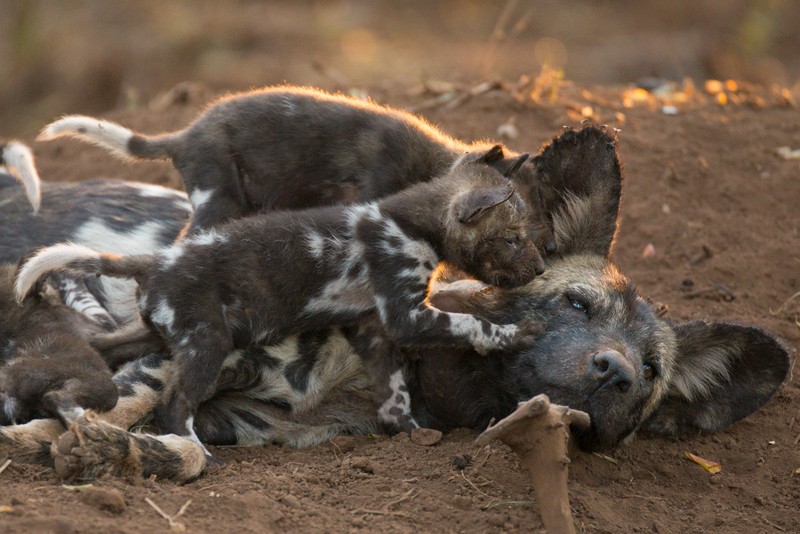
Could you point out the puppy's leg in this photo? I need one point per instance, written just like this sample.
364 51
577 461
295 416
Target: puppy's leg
383 362
95 445
214 185
400 282
198 358
90 391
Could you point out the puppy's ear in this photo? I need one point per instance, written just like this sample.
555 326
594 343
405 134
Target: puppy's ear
456 297
511 166
470 207
492 156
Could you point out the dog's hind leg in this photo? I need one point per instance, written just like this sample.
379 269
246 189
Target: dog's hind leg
30 443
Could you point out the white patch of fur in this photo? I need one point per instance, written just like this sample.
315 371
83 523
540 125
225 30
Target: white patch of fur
46 261
395 382
346 295
144 239
468 326
199 197
72 414
171 254
10 408
105 134
316 244
164 315
207 237
19 163
192 436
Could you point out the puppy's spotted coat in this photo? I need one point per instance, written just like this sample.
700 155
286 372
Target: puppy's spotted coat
260 279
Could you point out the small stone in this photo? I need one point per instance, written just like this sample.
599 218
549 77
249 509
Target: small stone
426 437
649 251
343 444
462 461
109 500
364 464
461 502
290 500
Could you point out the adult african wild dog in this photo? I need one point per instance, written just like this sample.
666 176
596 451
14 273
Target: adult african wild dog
47 366
605 351
290 147
262 278
113 215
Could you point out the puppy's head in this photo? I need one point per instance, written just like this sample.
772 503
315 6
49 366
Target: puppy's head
488 228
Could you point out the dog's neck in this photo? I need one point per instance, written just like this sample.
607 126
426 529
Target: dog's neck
421 213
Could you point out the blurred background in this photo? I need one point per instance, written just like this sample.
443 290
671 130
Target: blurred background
89 56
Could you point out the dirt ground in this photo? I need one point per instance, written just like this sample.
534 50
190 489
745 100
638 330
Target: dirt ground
708 176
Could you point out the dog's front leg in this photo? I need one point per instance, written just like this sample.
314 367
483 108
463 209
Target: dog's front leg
400 284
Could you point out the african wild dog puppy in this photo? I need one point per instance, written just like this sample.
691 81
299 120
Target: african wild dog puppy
290 147
262 278
47 367
605 351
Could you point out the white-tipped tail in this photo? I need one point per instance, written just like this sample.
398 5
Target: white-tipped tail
105 134
18 160
46 261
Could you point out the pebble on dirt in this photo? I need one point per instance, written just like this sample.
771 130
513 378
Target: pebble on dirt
426 437
110 500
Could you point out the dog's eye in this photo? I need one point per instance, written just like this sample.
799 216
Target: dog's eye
512 240
649 371
579 304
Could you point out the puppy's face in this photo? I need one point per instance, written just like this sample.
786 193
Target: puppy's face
488 236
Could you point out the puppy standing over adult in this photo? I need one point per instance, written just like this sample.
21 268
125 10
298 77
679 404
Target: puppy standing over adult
290 147
260 279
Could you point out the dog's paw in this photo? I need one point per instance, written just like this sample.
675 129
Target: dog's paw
91 449
528 331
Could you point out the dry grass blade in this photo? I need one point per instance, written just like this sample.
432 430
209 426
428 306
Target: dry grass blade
5 465
173 524
784 304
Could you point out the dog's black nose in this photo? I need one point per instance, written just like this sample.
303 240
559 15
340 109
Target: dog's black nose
613 369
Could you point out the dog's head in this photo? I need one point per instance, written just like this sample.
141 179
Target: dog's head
605 350
487 224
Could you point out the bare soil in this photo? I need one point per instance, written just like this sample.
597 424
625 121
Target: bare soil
705 189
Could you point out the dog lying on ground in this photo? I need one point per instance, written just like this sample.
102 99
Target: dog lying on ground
111 215
260 279
605 351
291 148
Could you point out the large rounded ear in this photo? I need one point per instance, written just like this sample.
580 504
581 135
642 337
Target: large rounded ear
721 373
578 180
